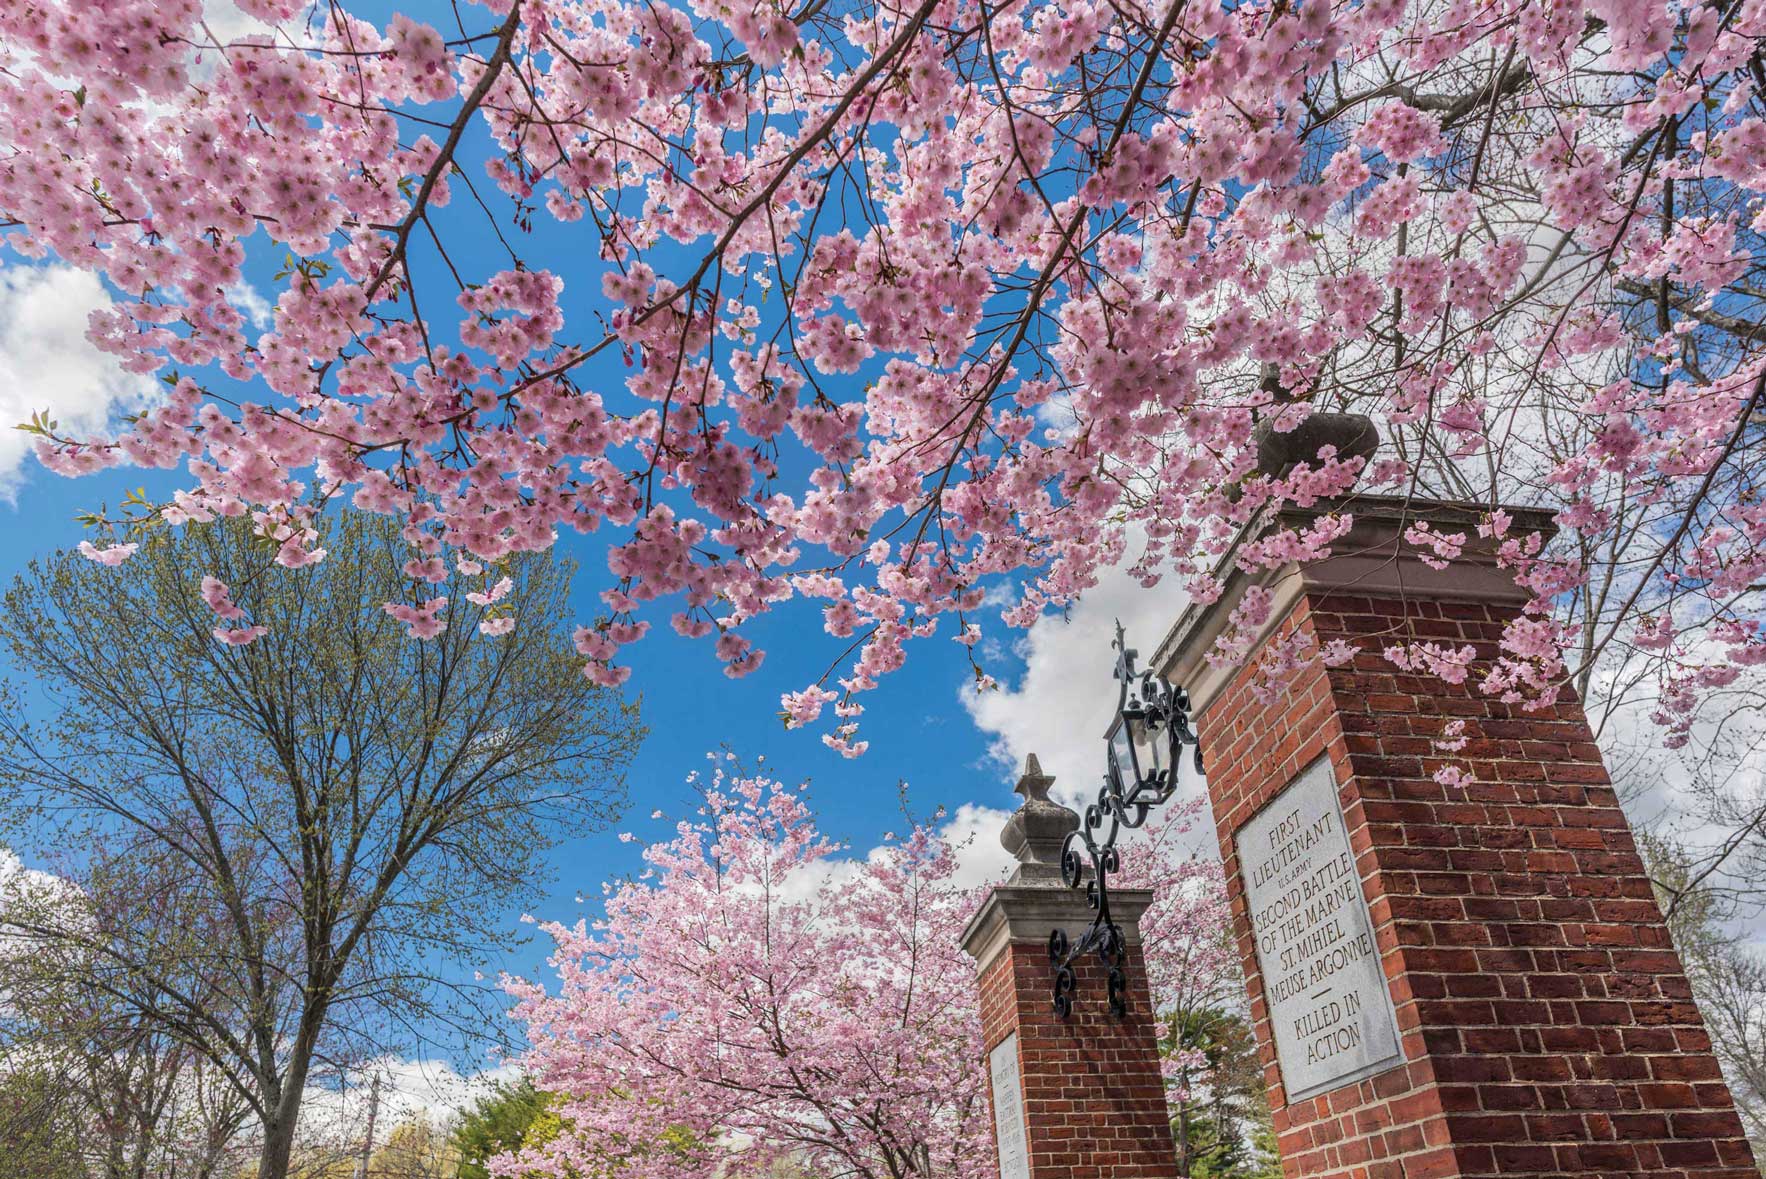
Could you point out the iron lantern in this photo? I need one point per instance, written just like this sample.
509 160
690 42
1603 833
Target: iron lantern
1145 745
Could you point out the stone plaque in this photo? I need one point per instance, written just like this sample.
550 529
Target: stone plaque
1329 1007
1008 1110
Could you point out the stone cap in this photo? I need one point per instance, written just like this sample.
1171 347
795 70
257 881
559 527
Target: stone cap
1372 559
1020 913
1037 830
1035 901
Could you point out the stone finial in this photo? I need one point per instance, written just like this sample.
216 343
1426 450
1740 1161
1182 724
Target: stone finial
1033 784
1035 832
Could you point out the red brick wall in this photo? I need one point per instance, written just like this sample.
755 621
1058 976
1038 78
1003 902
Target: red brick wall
1094 1105
1546 1020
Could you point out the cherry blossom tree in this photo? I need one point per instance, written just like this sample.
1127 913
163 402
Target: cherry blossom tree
752 1001
915 297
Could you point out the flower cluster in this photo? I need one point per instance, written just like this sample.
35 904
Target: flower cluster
888 315
753 998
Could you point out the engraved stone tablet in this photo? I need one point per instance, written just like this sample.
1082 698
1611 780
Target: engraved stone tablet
1008 1109
1329 1007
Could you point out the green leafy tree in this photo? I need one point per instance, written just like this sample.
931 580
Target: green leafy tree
1220 1111
137 1102
508 1118
331 805
41 1135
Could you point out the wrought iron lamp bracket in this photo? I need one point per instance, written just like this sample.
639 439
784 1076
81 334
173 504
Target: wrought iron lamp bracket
1128 795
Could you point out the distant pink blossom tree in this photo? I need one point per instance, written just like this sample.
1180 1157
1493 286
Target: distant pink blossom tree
753 999
918 297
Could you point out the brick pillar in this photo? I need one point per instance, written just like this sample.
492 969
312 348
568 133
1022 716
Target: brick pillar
1073 1098
1544 1024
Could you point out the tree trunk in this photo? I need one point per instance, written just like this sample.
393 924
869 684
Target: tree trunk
279 1126
278 1148
116 1164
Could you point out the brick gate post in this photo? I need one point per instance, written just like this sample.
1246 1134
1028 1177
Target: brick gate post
1446 982
1073 1098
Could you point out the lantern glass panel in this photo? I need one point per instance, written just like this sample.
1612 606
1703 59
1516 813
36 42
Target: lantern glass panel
1149 738
1122 755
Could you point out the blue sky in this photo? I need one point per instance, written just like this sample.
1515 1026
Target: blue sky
918 728
1058 685
951 754
920 732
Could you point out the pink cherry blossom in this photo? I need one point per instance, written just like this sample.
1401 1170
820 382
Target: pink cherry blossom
112 555
1444 548
754 996
239 636
422 619
494 594
894 316
219 598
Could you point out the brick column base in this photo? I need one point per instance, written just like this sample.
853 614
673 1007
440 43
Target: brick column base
1083 1097
1545 1022
1094 1102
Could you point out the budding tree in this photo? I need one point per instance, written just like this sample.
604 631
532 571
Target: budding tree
276 842
107 1093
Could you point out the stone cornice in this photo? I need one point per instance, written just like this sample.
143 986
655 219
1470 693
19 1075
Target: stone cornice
1372 559
1028 912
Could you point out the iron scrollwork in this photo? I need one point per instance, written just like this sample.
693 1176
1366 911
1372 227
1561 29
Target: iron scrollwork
1152 721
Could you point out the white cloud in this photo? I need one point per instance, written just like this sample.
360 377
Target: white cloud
1705 796
409 1091
46 362
251 304
229 23
974 831
434 1090
1063 702
14 874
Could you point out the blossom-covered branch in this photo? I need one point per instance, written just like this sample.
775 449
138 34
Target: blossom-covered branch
914 301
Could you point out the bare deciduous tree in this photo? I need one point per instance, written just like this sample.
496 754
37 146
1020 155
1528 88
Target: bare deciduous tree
315 822
1727 974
